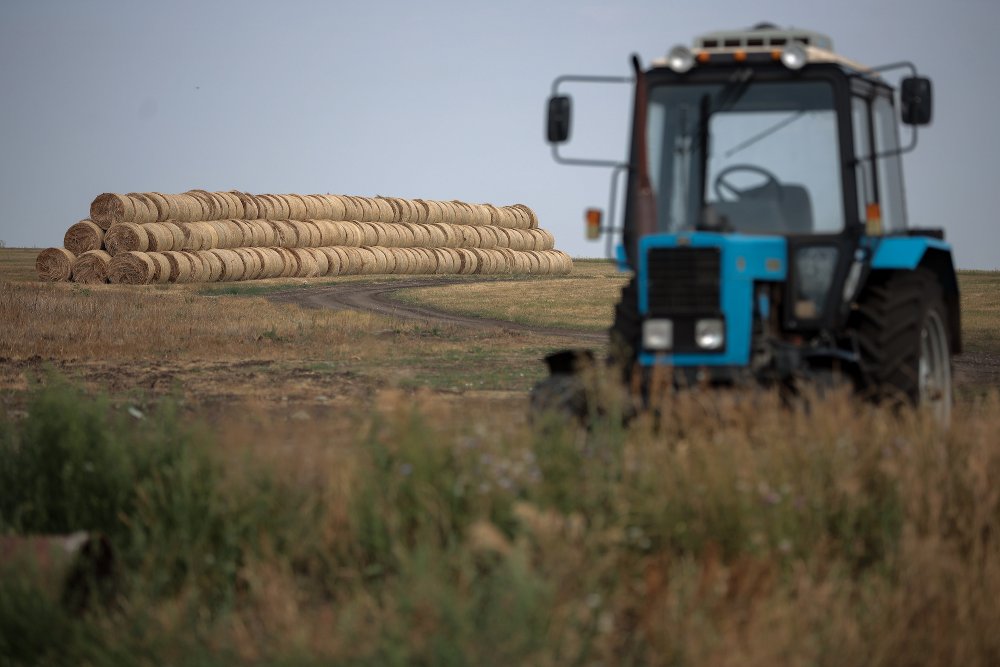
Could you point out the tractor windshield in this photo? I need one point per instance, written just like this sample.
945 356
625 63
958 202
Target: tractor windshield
746 156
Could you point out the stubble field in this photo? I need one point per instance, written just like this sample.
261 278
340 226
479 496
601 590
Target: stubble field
309 485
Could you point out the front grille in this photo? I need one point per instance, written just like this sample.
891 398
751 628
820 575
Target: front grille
683 281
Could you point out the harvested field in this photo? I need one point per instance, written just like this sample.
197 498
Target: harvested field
357 483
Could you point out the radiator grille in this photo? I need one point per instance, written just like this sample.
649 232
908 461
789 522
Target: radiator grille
683 281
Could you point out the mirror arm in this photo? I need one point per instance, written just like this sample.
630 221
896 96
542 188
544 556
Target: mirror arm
584 78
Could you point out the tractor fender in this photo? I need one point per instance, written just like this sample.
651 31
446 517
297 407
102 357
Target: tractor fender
907 253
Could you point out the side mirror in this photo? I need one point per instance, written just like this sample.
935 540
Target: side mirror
915 100
558 120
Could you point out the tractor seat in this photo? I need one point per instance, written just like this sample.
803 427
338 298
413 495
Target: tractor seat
770 209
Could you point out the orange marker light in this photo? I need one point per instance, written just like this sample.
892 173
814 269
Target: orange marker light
873 219
593 223
776 54
704 56
740 56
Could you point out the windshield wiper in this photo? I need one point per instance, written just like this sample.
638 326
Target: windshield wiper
785 122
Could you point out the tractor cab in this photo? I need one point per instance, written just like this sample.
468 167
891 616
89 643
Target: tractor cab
764 199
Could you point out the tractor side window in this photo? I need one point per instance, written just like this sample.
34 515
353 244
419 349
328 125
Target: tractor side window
890 177
863 151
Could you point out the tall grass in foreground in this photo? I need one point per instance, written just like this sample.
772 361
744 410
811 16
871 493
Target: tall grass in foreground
739 532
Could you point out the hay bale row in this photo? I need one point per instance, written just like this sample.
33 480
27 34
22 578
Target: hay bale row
199 205
230 234
140 268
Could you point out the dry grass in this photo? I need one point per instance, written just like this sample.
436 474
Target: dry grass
980 310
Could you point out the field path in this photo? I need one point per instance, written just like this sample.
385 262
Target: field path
377 298
971 369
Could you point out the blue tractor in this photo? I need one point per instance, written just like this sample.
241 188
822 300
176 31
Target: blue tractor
765 225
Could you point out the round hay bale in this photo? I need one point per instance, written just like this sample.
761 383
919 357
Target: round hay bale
421 210
369 235
232 265
390 235
369 210
161 267
412 260
177 208
124 237
343 259
209 207
451 258
384 211
227 236
470 262
223 206
263 233
505 260
286 235
388 259
351 210
530 216
332 260
399 260
199 236
303 233
436 236
55 264
296 207
179 270
544 240
83 236
315 234
353 263
487 237
109 208
321 260
336 206
381 233
534 264
160 205
508 238
199 270
448 212
131 268
355 233
252 265
91 267
430 259
435 213
333 232
443 261
469 237
248 203
369 263
289 262
273 263
176 232
211 265
160 238
421 235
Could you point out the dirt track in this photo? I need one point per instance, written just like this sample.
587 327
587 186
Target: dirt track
377 298
971 369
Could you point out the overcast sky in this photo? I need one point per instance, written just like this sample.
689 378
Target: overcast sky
436 99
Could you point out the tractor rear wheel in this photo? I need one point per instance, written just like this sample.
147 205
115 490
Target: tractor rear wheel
903 341
626 331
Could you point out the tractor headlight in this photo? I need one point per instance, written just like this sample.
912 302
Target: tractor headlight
658 334
680 59
709 334
794 56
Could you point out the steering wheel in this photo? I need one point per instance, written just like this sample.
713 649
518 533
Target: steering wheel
722 184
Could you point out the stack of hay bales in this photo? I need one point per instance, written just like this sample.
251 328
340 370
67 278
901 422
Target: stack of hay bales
200 236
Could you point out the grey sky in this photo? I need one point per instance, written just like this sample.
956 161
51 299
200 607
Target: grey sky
439 99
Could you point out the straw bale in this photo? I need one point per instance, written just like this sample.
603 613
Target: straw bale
263 233
333 260
320 260
443 261
355 233
83 236
369 235
279 207
55 264
161 267
209 207
211 268
436 236
248 209
421 235
381 233
195 237
468 237
285 233
351 211
470 261
487 237
483 214
351 260
332 232
506 260
315 234
413 260
383 211
91 267
399 261
435 214
126 236
336 205
534 266
253 266
131 268
369 265
530 214
110 208
272 262
160 205
232 264
179 270
315 208
508 238
174 229
402 208
303 234
297 209
159 237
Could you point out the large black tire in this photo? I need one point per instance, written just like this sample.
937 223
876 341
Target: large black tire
903 340
625 336
560 394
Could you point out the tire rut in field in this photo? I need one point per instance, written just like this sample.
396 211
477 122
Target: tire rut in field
377 298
